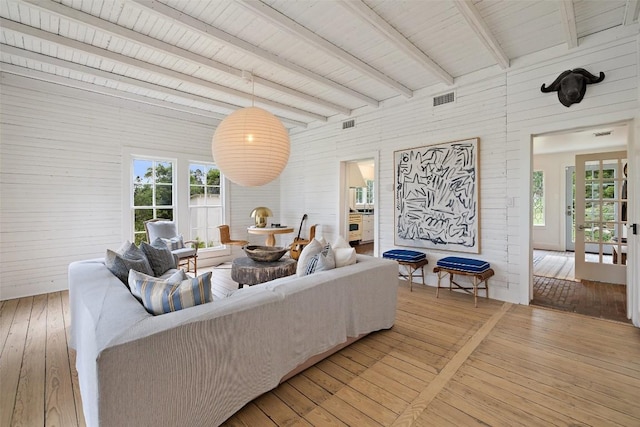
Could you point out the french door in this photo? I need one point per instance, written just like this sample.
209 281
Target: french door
600 217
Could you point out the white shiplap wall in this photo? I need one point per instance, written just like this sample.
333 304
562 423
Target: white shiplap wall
530 113
479 111
61 176
499 109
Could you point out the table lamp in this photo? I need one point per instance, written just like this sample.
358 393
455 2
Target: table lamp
261 214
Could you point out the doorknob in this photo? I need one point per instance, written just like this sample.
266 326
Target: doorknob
581 227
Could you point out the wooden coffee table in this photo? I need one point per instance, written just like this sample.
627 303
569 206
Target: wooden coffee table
246 271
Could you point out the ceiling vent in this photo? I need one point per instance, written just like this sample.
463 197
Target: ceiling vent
348 124
443 99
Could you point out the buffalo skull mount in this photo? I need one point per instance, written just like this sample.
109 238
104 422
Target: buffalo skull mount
571 85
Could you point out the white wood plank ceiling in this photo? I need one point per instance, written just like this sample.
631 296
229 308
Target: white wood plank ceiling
308 60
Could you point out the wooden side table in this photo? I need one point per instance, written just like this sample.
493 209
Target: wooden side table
246 271
270 232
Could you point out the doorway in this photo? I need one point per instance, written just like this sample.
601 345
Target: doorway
360 213
559 210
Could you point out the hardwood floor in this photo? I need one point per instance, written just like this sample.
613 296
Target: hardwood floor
444 363
555 286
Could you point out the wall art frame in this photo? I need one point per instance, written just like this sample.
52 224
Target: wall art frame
437 196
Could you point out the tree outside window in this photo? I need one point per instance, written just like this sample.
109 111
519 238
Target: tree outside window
205 204
538 198
152 193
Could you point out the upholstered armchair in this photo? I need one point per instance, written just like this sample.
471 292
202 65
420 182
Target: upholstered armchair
186 251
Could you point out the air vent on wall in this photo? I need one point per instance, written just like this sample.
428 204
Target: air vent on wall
443 99
605 133
349 124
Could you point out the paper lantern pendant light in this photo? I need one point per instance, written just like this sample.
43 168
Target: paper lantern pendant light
251 147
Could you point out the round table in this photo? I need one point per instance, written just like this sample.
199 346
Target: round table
246 271
270 232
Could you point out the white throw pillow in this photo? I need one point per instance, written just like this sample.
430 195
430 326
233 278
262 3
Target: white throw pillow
307 253
344 256
340 243
322 261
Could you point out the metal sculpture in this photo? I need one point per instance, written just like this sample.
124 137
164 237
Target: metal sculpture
571 85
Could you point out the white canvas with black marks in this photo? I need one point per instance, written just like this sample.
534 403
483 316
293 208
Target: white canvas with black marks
436 196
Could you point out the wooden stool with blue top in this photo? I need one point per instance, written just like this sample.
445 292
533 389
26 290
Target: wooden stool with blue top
411 260
479 270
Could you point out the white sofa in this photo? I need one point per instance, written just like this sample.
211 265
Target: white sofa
198 366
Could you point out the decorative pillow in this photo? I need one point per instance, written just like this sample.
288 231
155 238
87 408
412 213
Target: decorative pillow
127 257
174 243
344 256
160 258
321 261
340 243
307 253
137 279
160 298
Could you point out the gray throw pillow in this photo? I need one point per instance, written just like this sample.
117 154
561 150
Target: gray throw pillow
126 258
159 256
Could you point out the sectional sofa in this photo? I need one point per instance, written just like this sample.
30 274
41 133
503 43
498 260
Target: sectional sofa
198 366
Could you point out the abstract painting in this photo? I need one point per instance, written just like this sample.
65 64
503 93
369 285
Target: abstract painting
436 196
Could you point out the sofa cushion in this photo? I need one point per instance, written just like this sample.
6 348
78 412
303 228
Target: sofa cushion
137 279
159 256
322 261
467 265
307 253
158 297
126 258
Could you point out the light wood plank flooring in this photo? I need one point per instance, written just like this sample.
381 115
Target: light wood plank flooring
444 363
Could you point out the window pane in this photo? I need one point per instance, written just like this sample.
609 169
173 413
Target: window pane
164 172
164 195
213 176
143 171
165 214
140 216
139 238
196 174
538 198
142 195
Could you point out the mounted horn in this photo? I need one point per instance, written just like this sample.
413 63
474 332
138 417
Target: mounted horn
571 85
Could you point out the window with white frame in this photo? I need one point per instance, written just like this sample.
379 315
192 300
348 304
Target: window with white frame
206 204
537 189
364 195
152 193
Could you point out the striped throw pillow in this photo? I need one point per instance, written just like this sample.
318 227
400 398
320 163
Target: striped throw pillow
159 298
174 243
136 279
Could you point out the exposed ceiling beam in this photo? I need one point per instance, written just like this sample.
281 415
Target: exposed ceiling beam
482 31
247 48
148 67
89 87
79 68
631 11
292 27
396 38
568 18
143 40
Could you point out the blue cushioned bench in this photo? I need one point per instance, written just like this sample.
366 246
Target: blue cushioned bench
480 271
411 260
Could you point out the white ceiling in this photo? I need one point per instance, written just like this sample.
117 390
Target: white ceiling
613 137
309 60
